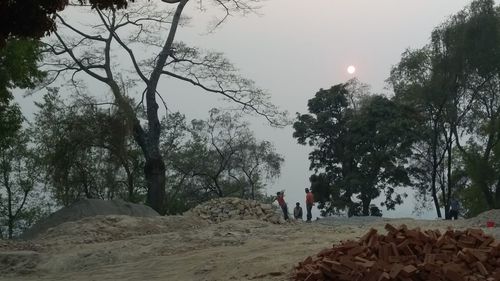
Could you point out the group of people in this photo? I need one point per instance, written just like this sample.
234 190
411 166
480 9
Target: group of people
297 211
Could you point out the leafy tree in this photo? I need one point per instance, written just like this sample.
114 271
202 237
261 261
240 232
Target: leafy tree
259 162
477 117
453 82
18 67
381 137
357 152
221 157
35 19
91 51
18 59
86 150
20 201
27 18
416 83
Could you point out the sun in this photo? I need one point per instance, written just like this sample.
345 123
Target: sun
351 69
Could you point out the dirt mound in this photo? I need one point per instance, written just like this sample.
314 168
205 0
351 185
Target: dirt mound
19 262
490 215
88 208
113 228
407 254
230 208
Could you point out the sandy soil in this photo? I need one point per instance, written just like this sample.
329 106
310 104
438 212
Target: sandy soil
181 248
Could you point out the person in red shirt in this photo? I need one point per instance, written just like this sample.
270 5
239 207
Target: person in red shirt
280 197
309 204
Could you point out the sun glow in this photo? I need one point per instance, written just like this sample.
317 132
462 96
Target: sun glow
351 69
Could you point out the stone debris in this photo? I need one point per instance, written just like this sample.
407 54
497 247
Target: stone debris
407 254
230 208
482 219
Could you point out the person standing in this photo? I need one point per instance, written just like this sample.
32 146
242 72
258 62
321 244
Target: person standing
280 197
454 206
309 204
297 212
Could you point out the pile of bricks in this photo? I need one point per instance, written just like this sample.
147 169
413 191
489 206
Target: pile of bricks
407 254
230 208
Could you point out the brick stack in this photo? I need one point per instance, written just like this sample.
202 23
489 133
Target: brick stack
407 254
230 208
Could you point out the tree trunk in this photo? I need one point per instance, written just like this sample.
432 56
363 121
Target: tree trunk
483 186
10 216
11 227
447 194
253 190
434 169
131 188
434 193
10 221
497 193
154 169
366 207
130 181
218 188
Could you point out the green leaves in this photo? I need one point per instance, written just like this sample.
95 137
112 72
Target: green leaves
453 83
216 157
86 150
18 66
360 142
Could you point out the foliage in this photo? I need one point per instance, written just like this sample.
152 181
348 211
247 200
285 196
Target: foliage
19 187
32 19
90 49
18 67
215 158
416 83
20 200
359 148
35 18
454 83
85 150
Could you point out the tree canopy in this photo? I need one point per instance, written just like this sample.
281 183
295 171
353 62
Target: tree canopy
90 50
35 18
360 143
453 82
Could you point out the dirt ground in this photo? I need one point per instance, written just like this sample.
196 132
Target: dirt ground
182 248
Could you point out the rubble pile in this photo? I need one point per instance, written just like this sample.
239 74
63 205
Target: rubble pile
482 219
223 209
407 254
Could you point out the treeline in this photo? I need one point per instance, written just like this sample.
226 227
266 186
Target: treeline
123 147
85 149
439 134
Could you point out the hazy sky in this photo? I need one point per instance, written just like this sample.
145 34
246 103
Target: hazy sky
294 47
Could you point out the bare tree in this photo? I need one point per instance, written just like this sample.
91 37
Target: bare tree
91 50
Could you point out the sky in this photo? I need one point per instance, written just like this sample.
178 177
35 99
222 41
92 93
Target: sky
293 48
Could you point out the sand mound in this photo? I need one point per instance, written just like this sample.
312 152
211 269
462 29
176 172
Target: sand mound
231 208
182 248
481 219
112 228
19 262
88 208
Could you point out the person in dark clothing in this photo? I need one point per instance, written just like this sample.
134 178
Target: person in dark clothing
297 212
309 204
280 197
454 207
